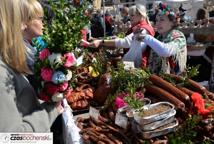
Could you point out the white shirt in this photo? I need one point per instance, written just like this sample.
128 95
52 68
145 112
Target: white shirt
136 48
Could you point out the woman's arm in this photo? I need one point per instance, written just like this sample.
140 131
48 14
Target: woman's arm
124 42
165 49
38 119
118 42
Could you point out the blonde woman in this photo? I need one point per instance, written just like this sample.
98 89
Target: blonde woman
32 26
138 18
20 109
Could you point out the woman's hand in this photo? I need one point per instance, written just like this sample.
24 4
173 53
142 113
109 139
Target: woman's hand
95 43
59 107
139 34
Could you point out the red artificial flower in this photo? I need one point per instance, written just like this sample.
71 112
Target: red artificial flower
43 96
199 104
51 88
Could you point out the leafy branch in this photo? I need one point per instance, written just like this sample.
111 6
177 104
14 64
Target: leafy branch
186 132
63 34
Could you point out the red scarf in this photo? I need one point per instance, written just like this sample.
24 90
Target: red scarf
143 24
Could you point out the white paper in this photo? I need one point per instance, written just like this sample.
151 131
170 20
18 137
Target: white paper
70 130
121 120
128 65
94 113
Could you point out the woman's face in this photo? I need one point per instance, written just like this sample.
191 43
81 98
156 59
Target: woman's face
135 18
34 28
163 24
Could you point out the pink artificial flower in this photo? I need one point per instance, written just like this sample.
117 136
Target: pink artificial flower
139 95
46 74
63 86
119 102
43 96
164 5
69 59
44 54
51 88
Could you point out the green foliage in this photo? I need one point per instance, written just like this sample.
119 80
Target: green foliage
110 99
134 102
128 80
63 34
208 141
100 64
192 71
167 78
121 35
186 132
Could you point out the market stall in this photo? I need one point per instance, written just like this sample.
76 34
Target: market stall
114 102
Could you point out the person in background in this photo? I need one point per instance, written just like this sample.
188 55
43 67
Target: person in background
108 24
97 24
168 51
181 13
49 12
202 17
125 14
86 32
21 111
139 19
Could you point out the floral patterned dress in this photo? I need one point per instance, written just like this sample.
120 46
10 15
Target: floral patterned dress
174 64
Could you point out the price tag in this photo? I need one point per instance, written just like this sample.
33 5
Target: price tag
94 113
121 120
128 65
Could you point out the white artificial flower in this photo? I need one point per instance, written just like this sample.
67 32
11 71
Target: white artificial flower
57 97
69 75
55 59
94 60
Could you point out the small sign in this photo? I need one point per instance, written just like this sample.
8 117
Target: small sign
79 60
94 113
128 65
121 120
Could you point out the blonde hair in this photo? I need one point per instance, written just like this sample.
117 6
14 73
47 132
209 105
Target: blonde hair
31 9
139 9
12 50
